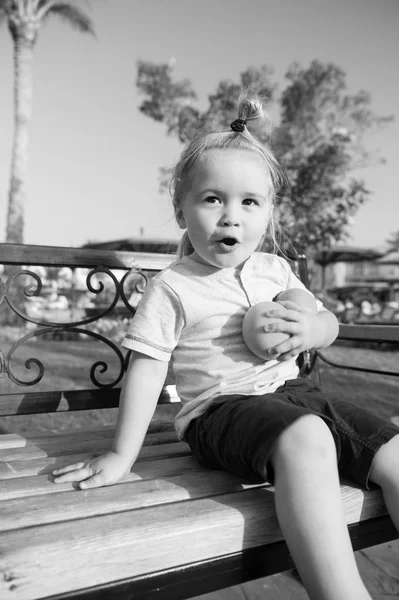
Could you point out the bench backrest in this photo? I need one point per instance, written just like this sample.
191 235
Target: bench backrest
33 273
24 280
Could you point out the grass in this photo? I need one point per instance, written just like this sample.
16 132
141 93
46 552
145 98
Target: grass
66 363
67 367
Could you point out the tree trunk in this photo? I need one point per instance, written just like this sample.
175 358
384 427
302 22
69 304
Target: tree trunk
23 58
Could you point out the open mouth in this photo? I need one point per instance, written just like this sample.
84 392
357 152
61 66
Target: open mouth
228 241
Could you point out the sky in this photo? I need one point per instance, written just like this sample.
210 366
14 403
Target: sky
94 158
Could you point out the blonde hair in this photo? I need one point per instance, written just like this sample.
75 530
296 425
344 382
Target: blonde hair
248 109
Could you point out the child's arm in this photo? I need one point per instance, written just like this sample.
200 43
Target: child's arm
140 392
307 331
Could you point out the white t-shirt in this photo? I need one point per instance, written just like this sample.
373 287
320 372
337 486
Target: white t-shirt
191 314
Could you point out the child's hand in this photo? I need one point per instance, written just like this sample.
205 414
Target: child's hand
296 321
104 470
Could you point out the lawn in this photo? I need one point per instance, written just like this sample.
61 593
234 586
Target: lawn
67 367
66 363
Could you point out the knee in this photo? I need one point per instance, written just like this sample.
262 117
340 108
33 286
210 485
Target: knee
308 440
385 467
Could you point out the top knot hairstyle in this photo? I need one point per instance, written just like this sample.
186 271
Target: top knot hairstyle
248 109
237 138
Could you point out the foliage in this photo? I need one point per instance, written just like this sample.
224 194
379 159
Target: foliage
169 102
319 139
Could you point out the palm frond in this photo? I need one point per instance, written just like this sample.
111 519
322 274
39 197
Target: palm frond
6 7
68 12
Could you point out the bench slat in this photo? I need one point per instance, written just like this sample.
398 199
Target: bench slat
135 494
34 484
165 433
102 549
20 440
51 402
70 400
63 506
63 444
45 465
21 254
370 333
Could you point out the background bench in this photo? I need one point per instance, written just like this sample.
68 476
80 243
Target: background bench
170 529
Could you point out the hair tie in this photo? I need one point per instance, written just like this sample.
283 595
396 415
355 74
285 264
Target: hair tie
238 125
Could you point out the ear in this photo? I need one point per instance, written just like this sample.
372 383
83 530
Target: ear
180 219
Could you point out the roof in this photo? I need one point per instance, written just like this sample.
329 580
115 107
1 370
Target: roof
139 244
391 258
346 254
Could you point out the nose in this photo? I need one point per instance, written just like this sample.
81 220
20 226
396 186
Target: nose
230 217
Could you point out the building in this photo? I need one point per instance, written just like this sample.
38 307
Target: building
345 269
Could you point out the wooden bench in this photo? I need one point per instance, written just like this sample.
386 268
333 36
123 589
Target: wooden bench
170 529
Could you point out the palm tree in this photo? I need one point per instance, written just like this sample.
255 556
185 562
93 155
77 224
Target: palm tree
24 18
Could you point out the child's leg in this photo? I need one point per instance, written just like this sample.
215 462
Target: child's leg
385 472
310 512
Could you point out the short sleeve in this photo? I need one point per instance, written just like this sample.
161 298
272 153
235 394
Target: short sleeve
156 326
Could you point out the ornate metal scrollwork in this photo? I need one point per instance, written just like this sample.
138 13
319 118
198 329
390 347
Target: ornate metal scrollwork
2 290
101 365
44 327
2 364
29 292
139 288
28 363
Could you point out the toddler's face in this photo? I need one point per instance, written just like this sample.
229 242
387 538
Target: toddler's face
227 206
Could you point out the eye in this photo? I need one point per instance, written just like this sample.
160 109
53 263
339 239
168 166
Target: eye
250 202
211 200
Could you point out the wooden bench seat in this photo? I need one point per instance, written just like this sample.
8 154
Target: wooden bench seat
168 514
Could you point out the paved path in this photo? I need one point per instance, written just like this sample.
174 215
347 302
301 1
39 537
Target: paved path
379 567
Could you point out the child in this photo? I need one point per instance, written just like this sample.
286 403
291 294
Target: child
252 417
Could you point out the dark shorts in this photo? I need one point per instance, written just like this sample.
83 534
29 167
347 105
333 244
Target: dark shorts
239 433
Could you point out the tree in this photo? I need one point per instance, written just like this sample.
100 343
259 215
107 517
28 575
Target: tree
319 139
24 18
320 142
